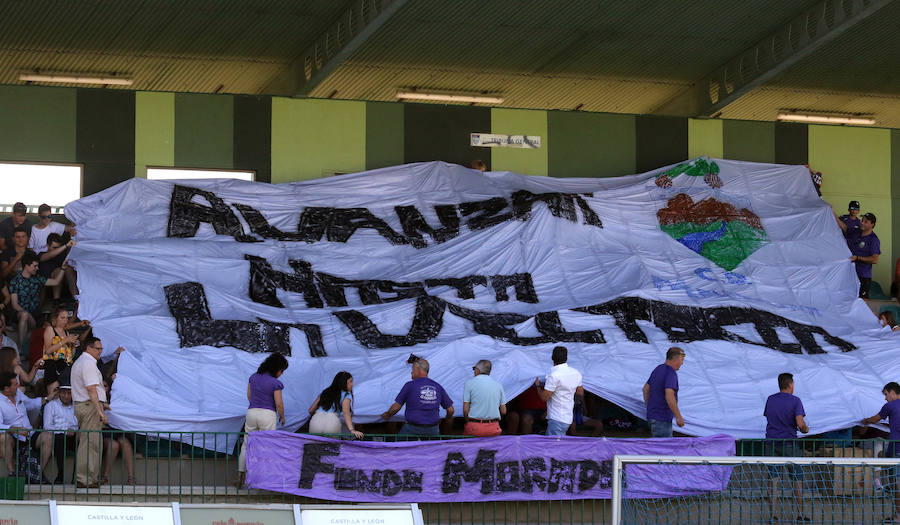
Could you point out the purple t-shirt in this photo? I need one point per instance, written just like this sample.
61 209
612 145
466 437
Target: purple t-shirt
662 377
865 246
423 399
891 412
781 414
853 227
262 391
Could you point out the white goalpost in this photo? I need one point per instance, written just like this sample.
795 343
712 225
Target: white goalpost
751 489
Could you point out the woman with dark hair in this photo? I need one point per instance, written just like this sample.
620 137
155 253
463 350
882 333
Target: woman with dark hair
59 346
338 397
886 318
264 393
9 362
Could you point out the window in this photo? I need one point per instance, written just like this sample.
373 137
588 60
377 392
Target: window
188 173
36 184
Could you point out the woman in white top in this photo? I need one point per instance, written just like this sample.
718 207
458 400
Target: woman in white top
336 398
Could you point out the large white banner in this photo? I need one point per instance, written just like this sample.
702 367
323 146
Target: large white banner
740 264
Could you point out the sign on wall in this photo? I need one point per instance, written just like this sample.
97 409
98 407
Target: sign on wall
113 515
24 513
236 515
494 140
360 515
53 513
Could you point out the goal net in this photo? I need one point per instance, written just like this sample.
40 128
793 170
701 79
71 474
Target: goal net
721 490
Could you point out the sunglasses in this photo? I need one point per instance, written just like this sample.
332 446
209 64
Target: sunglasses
45 216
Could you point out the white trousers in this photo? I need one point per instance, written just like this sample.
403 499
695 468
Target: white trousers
257 419
325 423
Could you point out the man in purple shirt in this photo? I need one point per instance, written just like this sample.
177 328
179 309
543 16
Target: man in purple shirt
891 412
423 398
865 249
661 395
850 223
784 416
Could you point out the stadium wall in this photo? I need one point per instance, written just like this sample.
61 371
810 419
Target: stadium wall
116 134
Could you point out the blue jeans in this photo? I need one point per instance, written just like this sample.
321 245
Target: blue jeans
419 430
660 429
556 428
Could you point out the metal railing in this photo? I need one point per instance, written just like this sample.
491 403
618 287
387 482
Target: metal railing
821 447
189 467
201 467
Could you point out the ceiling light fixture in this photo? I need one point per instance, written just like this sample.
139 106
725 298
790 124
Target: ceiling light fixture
858 119
75 78
476 98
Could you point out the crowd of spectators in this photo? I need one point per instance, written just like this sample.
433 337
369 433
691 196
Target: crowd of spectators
41 340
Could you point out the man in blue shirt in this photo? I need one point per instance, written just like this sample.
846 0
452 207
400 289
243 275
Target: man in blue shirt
661 395
484 401
784 416
891 412
865 250
423 398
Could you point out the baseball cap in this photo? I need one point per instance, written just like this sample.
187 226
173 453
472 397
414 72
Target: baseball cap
20 208
869 217
65 387
854 205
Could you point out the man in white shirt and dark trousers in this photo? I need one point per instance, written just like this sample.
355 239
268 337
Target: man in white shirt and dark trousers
90 404
16 429
60 425
562 386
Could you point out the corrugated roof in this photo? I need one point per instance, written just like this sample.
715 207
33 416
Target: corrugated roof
763 104
616 95
599 56
659 40
187 45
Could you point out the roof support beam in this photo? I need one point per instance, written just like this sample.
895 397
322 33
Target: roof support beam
350 31
809 31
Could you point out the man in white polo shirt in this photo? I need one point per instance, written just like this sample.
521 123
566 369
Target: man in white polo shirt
563 385
90 403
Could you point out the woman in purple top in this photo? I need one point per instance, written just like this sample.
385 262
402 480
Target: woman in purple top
264 393
336 398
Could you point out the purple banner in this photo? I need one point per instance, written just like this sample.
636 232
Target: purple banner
476 469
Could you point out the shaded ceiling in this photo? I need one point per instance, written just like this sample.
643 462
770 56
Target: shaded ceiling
621 57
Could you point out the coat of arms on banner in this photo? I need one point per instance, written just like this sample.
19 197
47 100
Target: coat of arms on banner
717 230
